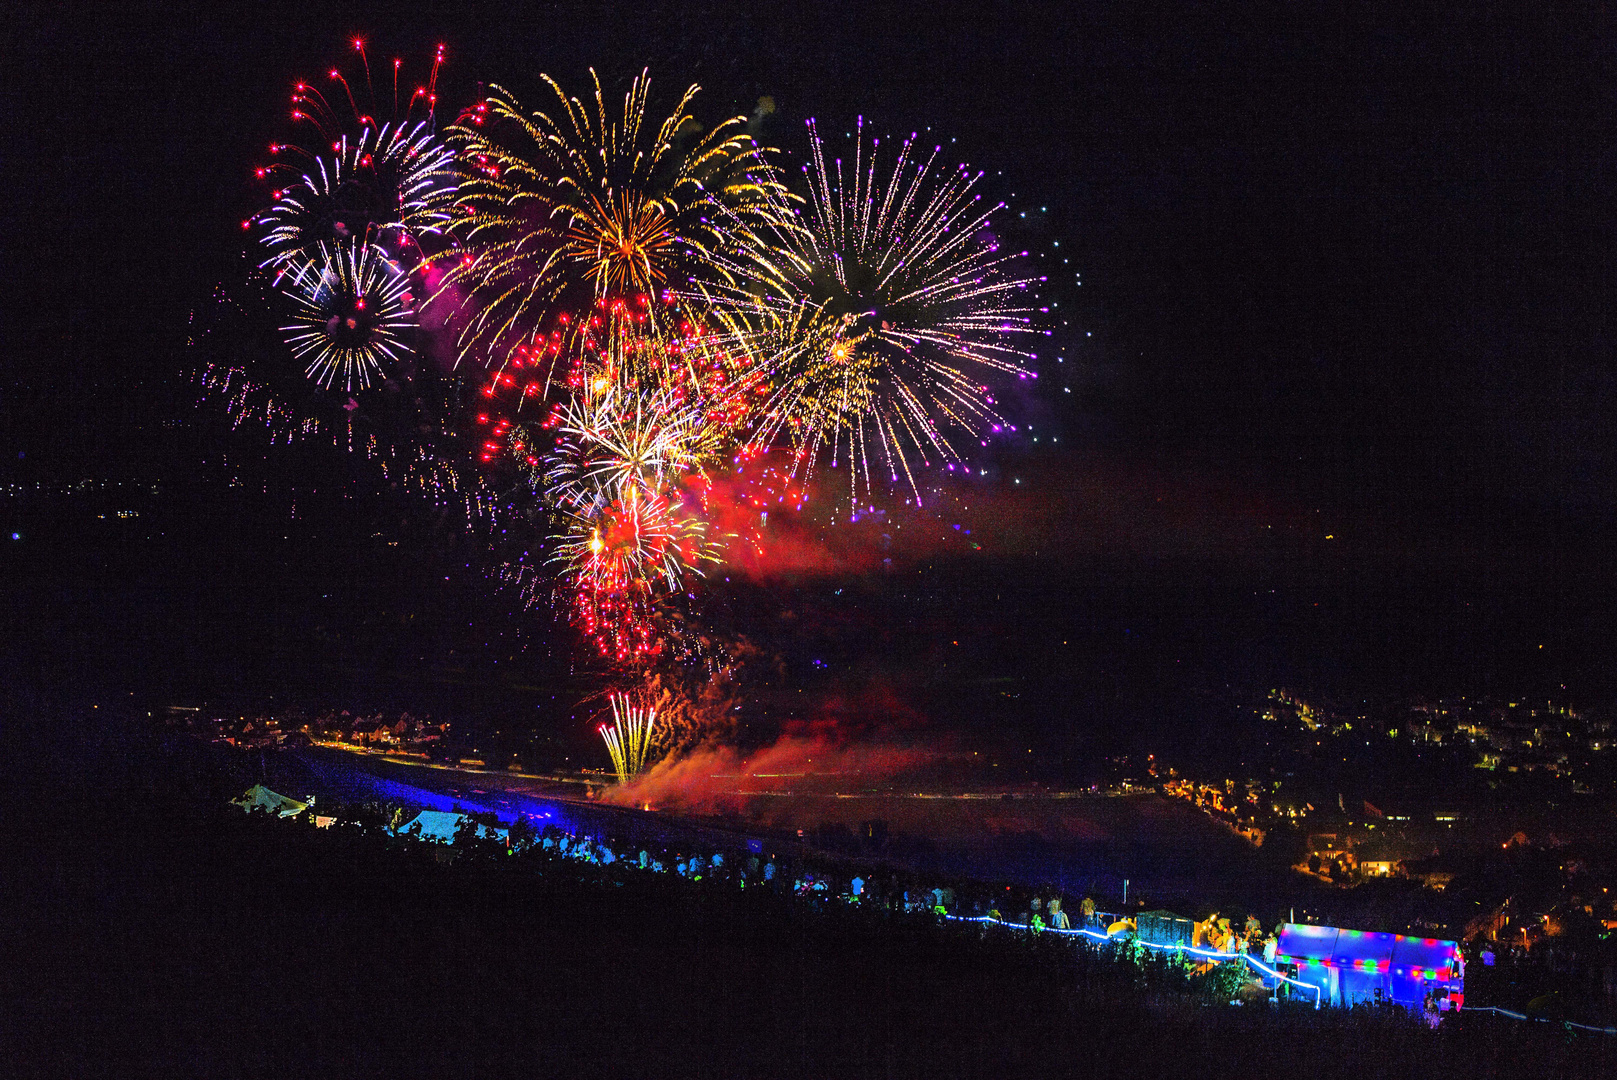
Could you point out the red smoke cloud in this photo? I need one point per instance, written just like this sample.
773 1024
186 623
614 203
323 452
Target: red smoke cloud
1061 507
841 716
716 778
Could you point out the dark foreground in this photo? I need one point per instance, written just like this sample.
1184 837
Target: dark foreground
148 931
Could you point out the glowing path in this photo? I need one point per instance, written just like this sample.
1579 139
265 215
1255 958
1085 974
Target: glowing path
1206 954
1514 1015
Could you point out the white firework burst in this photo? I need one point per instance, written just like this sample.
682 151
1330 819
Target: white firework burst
354 310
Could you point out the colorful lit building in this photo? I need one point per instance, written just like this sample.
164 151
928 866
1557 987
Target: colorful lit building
1359 966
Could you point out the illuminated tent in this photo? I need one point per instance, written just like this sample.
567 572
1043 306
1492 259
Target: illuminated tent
259 797
1353 966
441 826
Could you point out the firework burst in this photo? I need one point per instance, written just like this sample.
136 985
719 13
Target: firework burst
559 209
618 439
642 417
390 186
879 312
390 183
626 478
666 340
354 309
630 543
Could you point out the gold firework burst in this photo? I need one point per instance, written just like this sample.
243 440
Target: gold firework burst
563 207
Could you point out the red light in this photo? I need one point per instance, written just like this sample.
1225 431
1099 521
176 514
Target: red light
248 224
359 43
396 64
333 73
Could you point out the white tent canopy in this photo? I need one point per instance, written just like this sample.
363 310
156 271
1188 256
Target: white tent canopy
259 797
441 826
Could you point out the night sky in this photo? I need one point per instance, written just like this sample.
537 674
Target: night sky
1340 366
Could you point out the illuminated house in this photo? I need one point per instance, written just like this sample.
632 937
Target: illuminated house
1357 966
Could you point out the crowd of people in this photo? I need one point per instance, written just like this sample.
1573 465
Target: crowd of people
809 879
636 853
821 878
833 880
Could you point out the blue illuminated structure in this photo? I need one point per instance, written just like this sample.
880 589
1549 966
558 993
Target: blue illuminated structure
1357 966
350 782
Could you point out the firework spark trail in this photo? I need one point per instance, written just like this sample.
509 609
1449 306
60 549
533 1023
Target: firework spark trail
245 401
429 461
629 738
418 468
